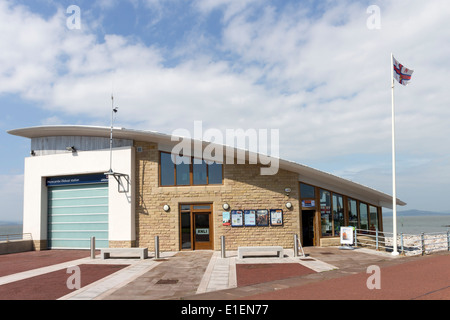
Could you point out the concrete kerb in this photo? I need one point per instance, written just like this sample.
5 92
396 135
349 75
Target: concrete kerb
105 286
221 272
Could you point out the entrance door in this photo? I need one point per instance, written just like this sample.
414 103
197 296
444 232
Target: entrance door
308 227
196 230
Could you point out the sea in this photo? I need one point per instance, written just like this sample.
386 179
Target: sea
11 229
418 224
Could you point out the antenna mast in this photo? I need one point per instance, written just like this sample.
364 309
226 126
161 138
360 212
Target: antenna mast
113 110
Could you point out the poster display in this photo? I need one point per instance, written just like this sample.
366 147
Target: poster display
250 218
262 217
276 217
226 220
237 218
346 235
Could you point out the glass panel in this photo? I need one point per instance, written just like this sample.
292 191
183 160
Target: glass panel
215 173
199 172
373 218
201 227
186 230
306 191
352 213
202 207
185 207
325 213
363 216
167 170
183 171
338 213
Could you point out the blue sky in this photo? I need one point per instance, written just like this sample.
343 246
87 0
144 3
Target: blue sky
315 70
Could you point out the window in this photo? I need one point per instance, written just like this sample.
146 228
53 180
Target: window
352 213
307 191
363 216
338 213
200 172
186 171
183 171
215 173
167 170
373 214
325 213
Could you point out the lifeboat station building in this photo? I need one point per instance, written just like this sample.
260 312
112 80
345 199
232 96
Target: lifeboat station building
78 185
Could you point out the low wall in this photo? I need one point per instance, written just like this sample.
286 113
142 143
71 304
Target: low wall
15 246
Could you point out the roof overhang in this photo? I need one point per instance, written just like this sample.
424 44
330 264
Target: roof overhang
306 174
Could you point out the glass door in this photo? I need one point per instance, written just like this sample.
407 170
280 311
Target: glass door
196 232
202 230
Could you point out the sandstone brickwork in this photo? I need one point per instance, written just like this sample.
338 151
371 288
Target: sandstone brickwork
243 188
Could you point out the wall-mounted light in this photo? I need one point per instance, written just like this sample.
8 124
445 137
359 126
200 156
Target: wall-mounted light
226 206
288 205
287 191
166 208
71 149
32 153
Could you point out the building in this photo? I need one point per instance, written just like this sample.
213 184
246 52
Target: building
68 198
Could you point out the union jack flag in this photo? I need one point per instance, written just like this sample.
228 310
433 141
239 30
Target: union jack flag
402 74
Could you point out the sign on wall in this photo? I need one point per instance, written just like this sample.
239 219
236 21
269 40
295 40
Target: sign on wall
250 218
79 179
276 217
262 217
226 220
237 218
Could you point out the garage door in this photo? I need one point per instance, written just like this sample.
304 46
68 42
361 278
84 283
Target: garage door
77 212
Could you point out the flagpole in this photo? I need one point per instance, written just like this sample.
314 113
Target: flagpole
394 192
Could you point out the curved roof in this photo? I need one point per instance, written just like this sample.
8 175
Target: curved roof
306 174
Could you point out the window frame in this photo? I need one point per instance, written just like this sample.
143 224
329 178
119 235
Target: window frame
191 171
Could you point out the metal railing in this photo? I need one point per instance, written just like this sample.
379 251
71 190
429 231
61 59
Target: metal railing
15 236
407 244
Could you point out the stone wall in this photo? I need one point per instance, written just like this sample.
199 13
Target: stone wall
243 188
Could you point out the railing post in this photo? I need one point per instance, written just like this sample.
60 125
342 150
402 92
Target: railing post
295 245
401 242
448 240
222 246
423 242
156 247
92 247
376 239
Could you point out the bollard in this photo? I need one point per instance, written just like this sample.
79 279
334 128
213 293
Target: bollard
92 247
222 246
156 247
295 245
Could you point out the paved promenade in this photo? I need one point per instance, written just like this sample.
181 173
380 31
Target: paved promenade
325 273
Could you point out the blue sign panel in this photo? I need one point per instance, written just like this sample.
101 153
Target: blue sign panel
74 180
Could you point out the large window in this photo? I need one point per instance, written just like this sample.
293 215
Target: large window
338 213
325 213
185 171
352 213
373 214
364 221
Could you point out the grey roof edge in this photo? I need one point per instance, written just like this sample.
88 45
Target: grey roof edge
384 199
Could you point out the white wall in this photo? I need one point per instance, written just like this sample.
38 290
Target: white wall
121 205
